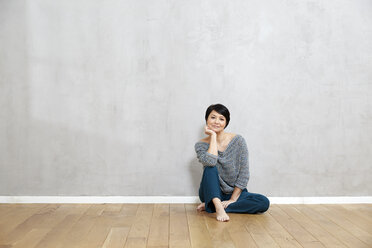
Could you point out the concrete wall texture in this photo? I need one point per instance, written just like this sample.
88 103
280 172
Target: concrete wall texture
108 98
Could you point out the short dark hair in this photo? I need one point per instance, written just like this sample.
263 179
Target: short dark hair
219 108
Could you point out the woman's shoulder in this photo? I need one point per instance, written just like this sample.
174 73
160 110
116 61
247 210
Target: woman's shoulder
202 143
237 140
205 140
241 141
201 146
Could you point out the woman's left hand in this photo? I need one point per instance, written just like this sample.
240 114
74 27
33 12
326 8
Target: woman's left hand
225 204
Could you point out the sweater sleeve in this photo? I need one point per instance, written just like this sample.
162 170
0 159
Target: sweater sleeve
204 156
243 176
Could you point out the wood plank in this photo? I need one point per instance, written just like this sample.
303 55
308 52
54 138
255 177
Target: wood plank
298 232
354 217
112 209
97 234
340 220
367 208
116 238
81 228
258 232
16 217
239 234
97 228
96 209
159 228
363 210
199 234
46 218
179 236
129 209
218 231
6 209
139 231
19 209
338 232
276 231
180 225
100 230
58 232
312 227
31 238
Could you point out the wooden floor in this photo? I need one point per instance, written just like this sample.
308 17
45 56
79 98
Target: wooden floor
180 225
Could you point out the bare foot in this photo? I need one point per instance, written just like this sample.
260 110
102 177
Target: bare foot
201 207
221 214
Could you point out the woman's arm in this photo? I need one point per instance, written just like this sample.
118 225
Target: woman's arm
213 149
208 157
204 156
235 194
243 176
234 197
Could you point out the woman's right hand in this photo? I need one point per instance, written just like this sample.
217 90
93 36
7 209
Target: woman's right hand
209 131
213 149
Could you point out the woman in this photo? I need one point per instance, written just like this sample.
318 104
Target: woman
226 172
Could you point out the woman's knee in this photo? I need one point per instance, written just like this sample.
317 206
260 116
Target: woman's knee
265 203
211 170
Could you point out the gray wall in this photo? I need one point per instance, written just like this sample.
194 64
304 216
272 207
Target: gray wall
108 97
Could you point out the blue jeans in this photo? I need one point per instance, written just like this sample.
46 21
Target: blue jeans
247 202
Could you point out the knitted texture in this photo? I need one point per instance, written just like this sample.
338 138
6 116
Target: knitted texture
232 164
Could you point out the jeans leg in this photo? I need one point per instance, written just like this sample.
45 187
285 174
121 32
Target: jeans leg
249 203
209 188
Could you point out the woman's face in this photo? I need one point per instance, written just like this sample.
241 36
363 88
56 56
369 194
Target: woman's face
216 121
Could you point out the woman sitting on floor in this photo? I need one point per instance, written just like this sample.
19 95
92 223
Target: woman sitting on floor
226 172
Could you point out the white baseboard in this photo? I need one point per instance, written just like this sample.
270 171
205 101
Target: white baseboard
322 200
99 199
176 199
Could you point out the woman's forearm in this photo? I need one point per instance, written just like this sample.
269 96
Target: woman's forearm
213 145
236 193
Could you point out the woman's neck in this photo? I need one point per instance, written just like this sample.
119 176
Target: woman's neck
221 136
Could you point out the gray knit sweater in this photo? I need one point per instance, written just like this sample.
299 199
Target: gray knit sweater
232 164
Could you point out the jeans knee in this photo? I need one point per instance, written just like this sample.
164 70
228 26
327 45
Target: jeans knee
210 169
265 203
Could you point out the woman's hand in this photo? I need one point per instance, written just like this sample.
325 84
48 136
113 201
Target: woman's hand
209 131
225 204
